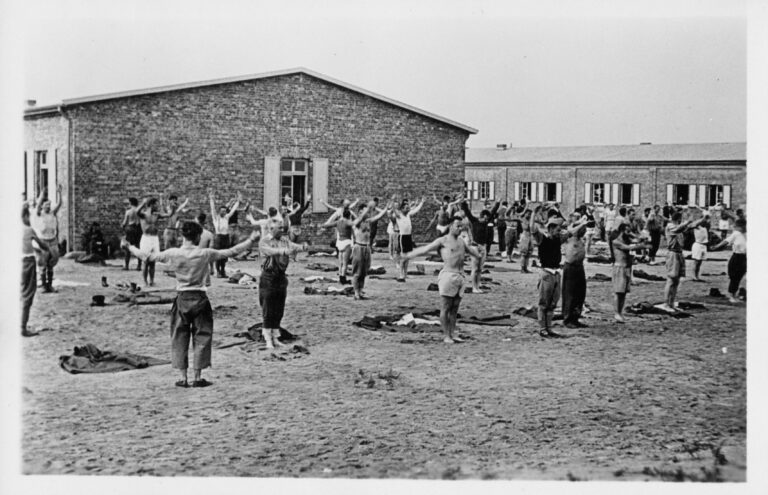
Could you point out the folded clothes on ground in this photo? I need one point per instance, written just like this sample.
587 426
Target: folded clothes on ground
376 270
317 278
533 312
647 276
599 277
323 267
329 291
393 322
468 290
491 321
91 258
90 359
644 307
599 258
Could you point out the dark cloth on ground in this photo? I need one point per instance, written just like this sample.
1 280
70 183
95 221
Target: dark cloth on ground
90 258
644 307
323 267
599 277
314 291
89 359
647 276
599 258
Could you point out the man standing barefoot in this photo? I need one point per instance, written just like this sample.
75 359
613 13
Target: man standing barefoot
361 251
46 227
28 270
622 268
132 228
675 261
450 281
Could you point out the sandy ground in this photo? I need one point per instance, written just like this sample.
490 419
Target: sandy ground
655 399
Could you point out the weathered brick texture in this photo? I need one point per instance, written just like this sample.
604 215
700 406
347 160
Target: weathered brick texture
218 137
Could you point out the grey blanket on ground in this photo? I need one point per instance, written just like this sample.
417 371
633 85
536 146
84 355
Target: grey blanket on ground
644 307
90 359
314 291
647 276
323 267
599 277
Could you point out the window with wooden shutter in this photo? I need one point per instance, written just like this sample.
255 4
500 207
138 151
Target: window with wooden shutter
607 193
702 196
559 192
670 193
587 192
615 194
540 193
319 184
727 196
271 181
692 194
516 188
635 194
492 190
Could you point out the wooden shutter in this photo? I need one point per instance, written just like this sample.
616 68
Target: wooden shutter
692 194
702 196
271 181
492 193
727 196
615 194
319 184
540 192
607 193
670 193
559 192
517 191
635 194
588 192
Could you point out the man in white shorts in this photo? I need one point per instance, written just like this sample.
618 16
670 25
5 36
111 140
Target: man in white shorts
450 281
699 248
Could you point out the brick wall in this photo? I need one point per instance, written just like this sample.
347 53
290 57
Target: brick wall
50 133
218 137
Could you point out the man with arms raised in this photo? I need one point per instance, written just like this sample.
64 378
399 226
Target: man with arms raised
450 281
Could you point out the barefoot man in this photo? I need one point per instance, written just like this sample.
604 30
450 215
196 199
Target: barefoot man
361 251
450 281
46 227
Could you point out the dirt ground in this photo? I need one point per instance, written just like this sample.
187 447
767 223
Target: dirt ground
658 398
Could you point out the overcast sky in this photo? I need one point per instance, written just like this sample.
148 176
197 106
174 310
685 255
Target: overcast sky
578 77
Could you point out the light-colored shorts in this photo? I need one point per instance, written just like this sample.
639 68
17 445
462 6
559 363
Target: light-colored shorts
675 265
442 229
622 279
450 284
699 251
149 243
526 244
394 245
342 244
50 258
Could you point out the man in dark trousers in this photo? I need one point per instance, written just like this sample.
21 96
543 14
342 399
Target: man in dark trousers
574 278
549 239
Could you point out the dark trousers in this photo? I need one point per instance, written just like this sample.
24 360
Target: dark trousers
502 229
221 241
655 243
737 268
361 263
191 318
574 292
374 229
273 289
28 288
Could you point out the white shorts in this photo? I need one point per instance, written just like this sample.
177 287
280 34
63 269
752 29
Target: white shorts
699 251
149 243
442 229
343 244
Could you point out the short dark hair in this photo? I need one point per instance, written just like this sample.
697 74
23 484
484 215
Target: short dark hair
173 196
622 211
346 213
447 198
201 217
504 203
647 210
133 201
485 213
272 211
741 223
677 216
376 200
191 230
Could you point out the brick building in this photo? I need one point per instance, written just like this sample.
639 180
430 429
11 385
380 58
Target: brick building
639 175
294 131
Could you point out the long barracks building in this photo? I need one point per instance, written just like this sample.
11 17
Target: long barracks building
638 175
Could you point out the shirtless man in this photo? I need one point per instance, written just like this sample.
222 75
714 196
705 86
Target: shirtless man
206 242
220 219
622 268
171 215
574 278
344 227
46 226
150 242
294 216
131 228
443 214
404 225
450 281
361 251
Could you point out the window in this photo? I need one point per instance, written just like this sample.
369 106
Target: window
680 194
526 191
715 194
625 194
479 189
598 193
41 172
485 190
550 191
293 179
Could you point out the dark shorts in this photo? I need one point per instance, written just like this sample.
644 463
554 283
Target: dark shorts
273 290
221 241
133 234
406 243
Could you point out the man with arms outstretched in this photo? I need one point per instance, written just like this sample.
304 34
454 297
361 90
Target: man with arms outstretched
450 281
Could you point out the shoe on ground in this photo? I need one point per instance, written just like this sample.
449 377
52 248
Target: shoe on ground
27 333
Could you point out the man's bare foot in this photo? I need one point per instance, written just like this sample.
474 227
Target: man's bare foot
448 340
477 291
619 318
458 339
666 307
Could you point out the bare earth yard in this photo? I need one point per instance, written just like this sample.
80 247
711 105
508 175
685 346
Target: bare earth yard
656 399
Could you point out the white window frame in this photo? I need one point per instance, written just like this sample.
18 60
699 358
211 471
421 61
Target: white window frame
293 172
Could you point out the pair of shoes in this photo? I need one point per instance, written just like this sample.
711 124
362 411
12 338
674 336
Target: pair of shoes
400 279
201 383
27 333
182 384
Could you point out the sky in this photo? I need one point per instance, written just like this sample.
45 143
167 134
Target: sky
547 76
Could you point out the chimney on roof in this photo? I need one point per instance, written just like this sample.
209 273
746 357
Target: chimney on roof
646 144
31 103
501 147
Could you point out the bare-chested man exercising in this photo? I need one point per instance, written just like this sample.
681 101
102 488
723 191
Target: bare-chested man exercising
450 281
361 251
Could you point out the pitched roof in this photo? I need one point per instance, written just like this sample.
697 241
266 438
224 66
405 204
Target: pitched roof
264 75
696 152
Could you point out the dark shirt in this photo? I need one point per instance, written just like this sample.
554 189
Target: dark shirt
296 217
549 252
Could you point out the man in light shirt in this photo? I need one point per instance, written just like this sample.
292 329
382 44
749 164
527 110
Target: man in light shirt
220 220
191 314
46 227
